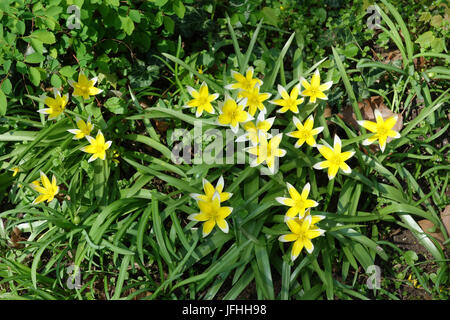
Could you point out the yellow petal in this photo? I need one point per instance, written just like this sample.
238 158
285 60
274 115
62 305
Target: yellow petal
296 249
332 171
369 125
390 122
223 225
325 151
315 80
288 237
208 226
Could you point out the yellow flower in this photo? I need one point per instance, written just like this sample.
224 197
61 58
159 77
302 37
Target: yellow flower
244 83
210 190
232 114
47 191
335 158
305 132
116 156
381 128
56 106
97 146
315 89
202 99
84 87
211 213
302 231
84 128
253 130
288 102
200 69
267 151
413 282
15 171
298 202
255 99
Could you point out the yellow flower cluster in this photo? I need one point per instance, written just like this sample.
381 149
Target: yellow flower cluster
211 213
266 148
55 107
299 220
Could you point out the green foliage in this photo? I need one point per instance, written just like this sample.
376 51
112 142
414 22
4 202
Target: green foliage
123 221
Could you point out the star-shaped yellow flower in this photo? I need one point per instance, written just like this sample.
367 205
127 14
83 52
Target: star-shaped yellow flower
47 191
288 102
84 128
15 171
381 128
303 230
305 132
232 114
56 106
266 151
97 146
211 213
315 89
299 203
335 158
84 87
255 99
244 83
253 130
202 99
210 190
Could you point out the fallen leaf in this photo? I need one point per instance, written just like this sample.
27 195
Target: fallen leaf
429 228
445 217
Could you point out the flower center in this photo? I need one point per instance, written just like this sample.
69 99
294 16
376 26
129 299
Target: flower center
336 160
100 148
253 100
235 114
299 203
202 100
382 131
304 134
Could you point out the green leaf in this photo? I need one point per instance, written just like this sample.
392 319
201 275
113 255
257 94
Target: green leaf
160 3
3 103
35 75
127 25
116 105
55 81
169 24
20 27
35 57
437 45
114 3
37 45
135 15
179 8
270 16
410 257
436 21
6 86
425 39
45 36
351 50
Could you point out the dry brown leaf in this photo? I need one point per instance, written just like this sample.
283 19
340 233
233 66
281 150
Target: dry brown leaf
445 217
427 225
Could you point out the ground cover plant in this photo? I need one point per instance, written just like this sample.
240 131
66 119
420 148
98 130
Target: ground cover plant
175 149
